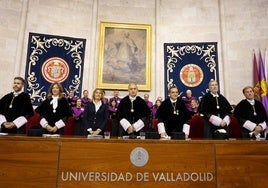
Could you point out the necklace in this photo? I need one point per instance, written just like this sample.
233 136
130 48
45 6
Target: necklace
132 109
175 111
218 106
254 111
11 103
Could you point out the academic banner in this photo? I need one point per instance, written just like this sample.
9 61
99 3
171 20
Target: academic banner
53 59
190 66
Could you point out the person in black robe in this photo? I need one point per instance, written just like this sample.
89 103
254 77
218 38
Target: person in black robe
15 109
216 111
172 115
251 115
132 113
54 110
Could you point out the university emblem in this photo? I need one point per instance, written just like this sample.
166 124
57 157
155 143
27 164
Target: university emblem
139 156
191 75
55 69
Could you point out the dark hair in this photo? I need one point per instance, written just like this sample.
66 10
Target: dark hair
172 88
19 78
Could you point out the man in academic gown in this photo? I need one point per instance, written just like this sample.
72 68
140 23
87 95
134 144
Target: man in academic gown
251 115
132 113
15 109
217 111
172 115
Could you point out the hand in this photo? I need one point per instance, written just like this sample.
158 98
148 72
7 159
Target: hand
96 132
223 124
54 129
130 129
258 129
9 125
49 128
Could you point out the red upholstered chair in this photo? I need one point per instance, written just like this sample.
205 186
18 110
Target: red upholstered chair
234 128
154 124
108 126
69 126
196 126
32 121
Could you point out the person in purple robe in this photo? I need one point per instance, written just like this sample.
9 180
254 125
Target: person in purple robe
116 97
78 113
112 108
85 99
187 99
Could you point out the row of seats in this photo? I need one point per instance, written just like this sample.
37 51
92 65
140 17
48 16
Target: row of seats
196 124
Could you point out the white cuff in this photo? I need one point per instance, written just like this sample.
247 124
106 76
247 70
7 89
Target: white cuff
227 119
249 125
161 128
125 124
2 119
20 121
186 128
215 120
138 125
43 123
59 124
263 125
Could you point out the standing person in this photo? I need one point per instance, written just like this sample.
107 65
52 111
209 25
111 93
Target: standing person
154 110
54 110
194 107
78 113
15 109
116 97
217 111
148 102
251 115
188 98
132 113
71 98
85 99
172 115
96 114
112 116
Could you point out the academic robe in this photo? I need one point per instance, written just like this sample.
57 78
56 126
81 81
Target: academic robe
244 111
78 114
117 99
173 121
63 111
96 119
208 107
21 106
141 111
113 120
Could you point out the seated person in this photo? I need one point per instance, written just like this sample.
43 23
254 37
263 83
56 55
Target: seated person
251 115
216 111
172 115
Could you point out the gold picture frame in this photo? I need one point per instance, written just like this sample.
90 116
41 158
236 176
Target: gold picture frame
124 56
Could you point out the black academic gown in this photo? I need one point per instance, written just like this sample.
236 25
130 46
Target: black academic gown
21 106
141 111
244 111
208 107
63 111
173 121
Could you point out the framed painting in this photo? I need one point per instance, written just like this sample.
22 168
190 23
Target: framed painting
124 56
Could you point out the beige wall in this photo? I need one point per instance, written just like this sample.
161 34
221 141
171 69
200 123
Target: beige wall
239 26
